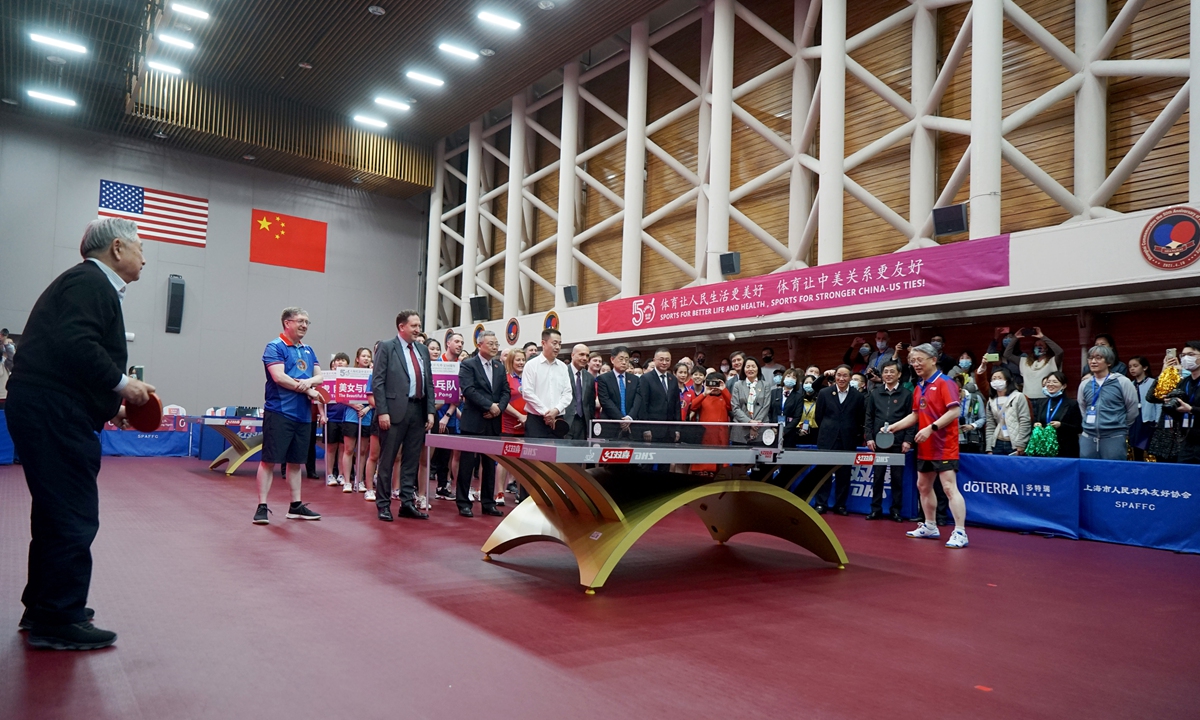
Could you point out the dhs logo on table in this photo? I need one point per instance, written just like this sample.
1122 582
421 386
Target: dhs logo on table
1171 240
615 455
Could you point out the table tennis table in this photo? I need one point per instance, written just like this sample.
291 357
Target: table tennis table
598 497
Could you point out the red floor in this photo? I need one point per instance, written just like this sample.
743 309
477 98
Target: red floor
352 618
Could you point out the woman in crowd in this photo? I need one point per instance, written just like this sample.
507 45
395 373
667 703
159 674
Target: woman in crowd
1149 413
689 434
357 415
1055 409
698 375
1109 403
1008 417
512 422
805 422
335 413
751 398
435 349
713 406
966 366
1046 358
972 423
1179 404
857 354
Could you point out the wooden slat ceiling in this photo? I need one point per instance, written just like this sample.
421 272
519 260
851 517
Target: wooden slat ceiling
254 48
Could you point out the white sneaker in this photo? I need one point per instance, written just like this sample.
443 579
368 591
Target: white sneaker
341 479
925 530
348 487
360 486
395 493
330 481
369 496
474 495
958 539
499 499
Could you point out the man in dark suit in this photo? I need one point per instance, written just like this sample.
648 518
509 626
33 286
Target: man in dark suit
617 389
583 394
484 394
403 391
658 399
67 381
840 413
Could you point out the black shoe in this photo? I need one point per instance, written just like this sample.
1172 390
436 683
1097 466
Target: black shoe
26 624
896 516
78 636
298 511
443 493
943 522
466 512
260 515
875 515
313 476
497 512
385 514
408 510
821 509
841 511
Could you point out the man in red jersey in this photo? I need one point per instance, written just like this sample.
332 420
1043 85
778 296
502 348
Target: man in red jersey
935 413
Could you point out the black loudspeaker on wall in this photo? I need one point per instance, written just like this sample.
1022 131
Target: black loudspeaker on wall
950 219
480 312
571 293
174 303
731 263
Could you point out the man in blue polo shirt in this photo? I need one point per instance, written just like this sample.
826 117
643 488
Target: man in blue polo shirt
292 378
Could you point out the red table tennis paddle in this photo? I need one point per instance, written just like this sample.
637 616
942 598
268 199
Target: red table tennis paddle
323 393
146 417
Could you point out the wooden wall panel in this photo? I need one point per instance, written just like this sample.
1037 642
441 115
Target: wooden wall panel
1160 31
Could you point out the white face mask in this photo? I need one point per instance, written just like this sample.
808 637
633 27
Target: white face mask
999 384
1188 362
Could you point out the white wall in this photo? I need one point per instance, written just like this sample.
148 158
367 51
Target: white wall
49 188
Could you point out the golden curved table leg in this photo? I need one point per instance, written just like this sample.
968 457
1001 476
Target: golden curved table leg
237 452
727 507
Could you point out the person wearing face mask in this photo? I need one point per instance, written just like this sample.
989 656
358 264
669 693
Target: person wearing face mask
1179 406
1008 417
965 366
888 402
1109 403
881 354
1055 409
1036 366
1149 413
787 402
858 381
945 363
973 421
768 364
1001 339
857 355
802 427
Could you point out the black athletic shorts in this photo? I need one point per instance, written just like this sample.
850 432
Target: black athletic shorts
333 432
350 430
937 466
284 440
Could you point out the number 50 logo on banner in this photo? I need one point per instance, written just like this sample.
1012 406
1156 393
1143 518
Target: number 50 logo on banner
643 312
350 384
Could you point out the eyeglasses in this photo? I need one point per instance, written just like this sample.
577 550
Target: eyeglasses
299 322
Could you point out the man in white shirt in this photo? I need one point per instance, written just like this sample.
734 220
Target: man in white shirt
769 367
546 387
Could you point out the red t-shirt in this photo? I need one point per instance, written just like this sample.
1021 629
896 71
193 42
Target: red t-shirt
931 400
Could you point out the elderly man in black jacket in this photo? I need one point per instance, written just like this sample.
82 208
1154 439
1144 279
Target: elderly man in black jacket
887 403
67 381
484 394
839 413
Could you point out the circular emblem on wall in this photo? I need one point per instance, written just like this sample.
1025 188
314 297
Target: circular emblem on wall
446 340
551 321
478 332
512 331
1171 240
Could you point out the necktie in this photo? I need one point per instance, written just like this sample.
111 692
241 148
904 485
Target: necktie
666 390
578 394
621 386
416 373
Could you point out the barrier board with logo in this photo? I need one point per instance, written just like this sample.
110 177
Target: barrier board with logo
1033 494
1146 504
172 439
861 488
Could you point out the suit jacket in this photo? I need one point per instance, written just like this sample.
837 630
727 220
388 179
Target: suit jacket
589 394
477 396
840 424
610 394
389 380
651 402
74 342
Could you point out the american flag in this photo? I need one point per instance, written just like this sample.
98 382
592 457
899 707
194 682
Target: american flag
165 216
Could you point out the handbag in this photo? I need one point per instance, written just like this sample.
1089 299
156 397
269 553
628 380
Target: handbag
1043 442
1165 444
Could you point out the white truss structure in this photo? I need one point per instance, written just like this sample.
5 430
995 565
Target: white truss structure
818 175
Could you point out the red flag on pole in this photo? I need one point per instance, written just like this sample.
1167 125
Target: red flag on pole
287 240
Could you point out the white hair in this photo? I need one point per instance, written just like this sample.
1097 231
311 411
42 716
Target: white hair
100 233
925 349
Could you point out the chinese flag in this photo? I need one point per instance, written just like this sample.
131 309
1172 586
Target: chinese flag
287 240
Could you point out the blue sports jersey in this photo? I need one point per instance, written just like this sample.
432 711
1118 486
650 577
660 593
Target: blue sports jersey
337 412
299 362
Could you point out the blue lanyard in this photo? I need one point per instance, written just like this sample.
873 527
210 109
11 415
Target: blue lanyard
1050 413
1096 387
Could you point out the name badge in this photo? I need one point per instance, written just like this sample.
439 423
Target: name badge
1090 418
804 427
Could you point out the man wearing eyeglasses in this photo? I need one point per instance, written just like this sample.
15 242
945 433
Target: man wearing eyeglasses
293 376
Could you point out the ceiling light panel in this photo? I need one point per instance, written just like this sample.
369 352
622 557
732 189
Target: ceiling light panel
188 10
176 41
499 20
64 44
163 67
422 77
460 52
51 98
370 121
394 104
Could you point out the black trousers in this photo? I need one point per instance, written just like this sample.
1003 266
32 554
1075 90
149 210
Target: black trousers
406 436
842 491
537 428
61 456
467 462
897 488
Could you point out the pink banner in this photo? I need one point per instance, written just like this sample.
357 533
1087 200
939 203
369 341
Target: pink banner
350 385
445 381
959 267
